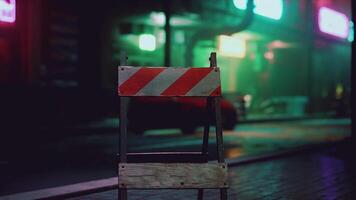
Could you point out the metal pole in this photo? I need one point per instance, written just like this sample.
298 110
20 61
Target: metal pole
211 32
352 105
309 50
167 28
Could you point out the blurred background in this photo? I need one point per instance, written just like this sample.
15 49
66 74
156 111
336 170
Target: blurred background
291 58
285 72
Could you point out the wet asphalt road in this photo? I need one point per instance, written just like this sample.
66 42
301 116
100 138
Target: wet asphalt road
84 157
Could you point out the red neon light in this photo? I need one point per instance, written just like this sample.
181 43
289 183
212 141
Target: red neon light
8 11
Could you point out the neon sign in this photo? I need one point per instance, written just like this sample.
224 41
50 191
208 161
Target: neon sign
7 11
147 42
333 22
269 8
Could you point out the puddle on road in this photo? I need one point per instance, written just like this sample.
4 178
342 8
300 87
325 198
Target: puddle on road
162 132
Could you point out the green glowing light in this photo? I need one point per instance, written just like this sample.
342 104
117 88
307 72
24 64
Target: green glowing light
350 38
158 18
268 8
231 46
147 42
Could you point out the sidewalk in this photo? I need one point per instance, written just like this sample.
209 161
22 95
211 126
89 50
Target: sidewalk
263 118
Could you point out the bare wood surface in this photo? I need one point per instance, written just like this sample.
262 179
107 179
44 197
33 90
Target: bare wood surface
172 175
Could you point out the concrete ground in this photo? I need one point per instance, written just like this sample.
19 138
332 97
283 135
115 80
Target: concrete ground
324 174
84 157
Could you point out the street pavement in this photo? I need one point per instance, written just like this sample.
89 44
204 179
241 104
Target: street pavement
325 174
85 157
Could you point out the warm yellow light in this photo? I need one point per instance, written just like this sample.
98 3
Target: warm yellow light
231 46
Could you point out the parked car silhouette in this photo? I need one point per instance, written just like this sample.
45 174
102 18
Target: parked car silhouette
184 113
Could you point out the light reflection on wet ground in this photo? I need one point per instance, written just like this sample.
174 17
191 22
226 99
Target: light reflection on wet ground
85 153
246 139
326 174
252 139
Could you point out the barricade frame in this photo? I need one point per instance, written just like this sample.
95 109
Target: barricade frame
165 160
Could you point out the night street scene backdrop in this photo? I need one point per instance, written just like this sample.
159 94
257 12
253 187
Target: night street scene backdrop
254 99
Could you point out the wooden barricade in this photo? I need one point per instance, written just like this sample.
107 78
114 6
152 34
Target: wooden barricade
192 170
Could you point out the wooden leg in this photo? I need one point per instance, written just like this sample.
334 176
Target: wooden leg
123 139
200 194
219 141
219 136
123 194
206 137
123 129
223 194
207 126
209 109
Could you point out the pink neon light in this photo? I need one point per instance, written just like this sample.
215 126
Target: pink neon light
333 22
8 11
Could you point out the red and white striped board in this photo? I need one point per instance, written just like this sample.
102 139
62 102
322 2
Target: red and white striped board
169 81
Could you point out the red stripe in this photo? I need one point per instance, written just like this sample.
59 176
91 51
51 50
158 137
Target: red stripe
186 82
216 92
138 80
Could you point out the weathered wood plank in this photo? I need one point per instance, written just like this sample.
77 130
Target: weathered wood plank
167 157
172 175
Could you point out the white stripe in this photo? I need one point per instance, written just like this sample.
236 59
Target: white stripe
162 81
125 72
207 85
